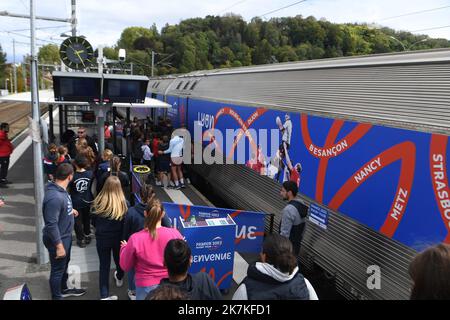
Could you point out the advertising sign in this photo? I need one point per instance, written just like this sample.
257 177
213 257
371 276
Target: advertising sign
212 246
249 230
318 215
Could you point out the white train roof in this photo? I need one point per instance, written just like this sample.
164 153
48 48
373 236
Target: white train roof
47 97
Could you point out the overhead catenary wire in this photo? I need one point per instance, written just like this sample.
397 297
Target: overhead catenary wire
233 5
414 13
39 28
26 36
25 6
433 28
279 9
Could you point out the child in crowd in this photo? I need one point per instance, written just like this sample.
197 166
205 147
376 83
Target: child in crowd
144 251
155 145
109 209
147 153
164 162
80 192
64 153
115 165
104 166
51 161
83 148
134 222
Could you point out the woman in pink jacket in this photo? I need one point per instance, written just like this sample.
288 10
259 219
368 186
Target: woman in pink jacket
145 251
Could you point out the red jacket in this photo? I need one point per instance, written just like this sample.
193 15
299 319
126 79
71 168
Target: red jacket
6 147
155 144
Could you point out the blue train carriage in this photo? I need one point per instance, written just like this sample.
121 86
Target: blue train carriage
364 137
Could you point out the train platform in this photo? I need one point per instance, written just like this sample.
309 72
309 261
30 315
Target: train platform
18 236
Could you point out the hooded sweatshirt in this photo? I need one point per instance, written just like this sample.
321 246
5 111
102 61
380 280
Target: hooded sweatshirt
265 282
175 147
58 213
6 148
134 221
102 168
51 162
198 286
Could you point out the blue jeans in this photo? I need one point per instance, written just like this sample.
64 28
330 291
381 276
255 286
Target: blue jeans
58 272
104 248
142 292
131 282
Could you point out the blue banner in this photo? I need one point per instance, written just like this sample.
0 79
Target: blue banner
212 246
249 231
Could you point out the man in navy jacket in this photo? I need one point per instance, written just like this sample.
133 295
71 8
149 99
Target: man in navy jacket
57 233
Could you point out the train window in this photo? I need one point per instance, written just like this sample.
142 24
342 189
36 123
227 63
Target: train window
187 84
179 85
193 85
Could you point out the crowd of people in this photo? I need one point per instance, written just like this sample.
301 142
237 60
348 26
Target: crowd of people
155 147
87 194
88 191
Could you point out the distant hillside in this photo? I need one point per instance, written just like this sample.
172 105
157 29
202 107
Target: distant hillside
229 41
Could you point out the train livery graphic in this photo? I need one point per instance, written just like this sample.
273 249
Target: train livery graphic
365 138
392 180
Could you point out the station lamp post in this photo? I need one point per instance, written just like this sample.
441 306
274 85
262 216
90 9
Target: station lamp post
420 41
394 38
410 46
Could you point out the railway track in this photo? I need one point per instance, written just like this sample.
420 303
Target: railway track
16 114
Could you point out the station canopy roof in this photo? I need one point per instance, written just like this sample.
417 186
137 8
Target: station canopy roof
47 97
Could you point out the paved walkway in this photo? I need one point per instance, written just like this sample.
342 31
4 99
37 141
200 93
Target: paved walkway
18 237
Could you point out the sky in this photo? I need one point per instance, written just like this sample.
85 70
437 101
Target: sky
103 21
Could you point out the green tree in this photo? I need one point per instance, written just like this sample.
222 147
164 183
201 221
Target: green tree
129 36
202 52
244 56
270 33
262 53
111 53
49 54
286 54
227 56
141 61
251 34
236 63
143 43
229 41
188 59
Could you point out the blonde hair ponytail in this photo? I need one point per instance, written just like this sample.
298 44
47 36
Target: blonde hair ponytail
155 211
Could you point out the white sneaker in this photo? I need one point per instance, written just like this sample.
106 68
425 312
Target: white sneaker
131 295
111 298
119 283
